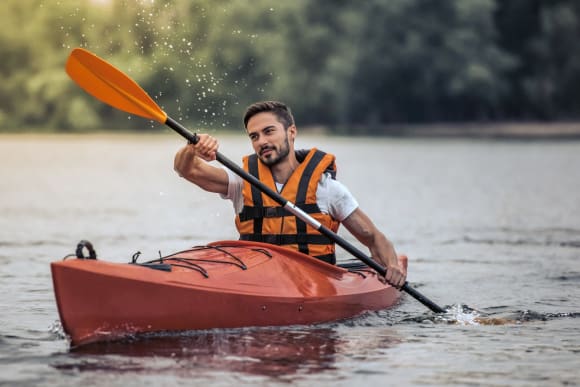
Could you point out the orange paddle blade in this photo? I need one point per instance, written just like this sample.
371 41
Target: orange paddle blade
110 85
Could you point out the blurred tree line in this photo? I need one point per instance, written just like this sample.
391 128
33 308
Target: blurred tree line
349 65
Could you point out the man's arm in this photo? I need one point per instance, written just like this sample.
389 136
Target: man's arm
188 164
382 250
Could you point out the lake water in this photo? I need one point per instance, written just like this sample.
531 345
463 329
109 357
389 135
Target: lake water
494 225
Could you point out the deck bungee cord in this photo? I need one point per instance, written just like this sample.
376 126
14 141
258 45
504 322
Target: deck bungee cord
165 263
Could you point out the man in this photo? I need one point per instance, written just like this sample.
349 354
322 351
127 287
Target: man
305 178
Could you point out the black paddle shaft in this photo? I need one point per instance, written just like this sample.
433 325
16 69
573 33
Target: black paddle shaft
191 137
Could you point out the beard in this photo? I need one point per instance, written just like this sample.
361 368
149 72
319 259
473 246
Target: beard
278 154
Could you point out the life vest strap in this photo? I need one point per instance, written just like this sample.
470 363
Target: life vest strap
287 239
249 213
328 258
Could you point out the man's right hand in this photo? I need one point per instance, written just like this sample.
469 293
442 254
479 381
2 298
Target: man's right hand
188 165
186 158
206 147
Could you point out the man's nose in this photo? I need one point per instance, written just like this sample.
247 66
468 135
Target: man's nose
261 141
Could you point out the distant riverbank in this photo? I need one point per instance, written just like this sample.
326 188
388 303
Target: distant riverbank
500 130
496 130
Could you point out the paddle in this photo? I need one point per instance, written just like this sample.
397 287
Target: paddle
108 84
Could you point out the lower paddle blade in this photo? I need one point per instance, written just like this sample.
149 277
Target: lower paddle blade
110 85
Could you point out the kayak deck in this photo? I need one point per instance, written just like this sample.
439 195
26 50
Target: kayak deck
226 284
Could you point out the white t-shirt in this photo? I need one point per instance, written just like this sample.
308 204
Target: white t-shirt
332 197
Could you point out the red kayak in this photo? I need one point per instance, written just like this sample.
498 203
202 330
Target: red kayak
226 284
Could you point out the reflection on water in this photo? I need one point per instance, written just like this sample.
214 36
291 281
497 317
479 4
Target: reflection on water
277 353
271 352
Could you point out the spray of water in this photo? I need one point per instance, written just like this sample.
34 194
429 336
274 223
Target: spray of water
57 330
176 51
462 315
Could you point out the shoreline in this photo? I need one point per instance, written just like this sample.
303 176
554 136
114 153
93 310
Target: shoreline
506 130
500 130
537 130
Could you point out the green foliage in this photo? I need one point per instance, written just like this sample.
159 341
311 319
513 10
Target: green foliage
354 66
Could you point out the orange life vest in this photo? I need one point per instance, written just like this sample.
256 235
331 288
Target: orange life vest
264 220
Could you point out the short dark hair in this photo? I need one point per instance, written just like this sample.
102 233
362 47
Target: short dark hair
279 109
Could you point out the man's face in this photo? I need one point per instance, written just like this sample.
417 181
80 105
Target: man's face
269 138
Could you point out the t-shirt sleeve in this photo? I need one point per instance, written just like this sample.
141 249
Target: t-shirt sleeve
335 199
235 191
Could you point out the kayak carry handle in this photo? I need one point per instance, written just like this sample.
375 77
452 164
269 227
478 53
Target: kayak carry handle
84 244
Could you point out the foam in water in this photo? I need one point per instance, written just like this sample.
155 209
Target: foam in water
462 315
56 329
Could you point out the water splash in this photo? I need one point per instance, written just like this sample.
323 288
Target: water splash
462 315
57 330
465 315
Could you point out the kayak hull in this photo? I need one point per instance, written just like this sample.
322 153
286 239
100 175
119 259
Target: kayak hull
233 284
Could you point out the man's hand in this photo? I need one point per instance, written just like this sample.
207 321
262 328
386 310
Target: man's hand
381 249
396 274
206 147
189 165
185 160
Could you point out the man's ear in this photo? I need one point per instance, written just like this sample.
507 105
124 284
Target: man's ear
292 131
